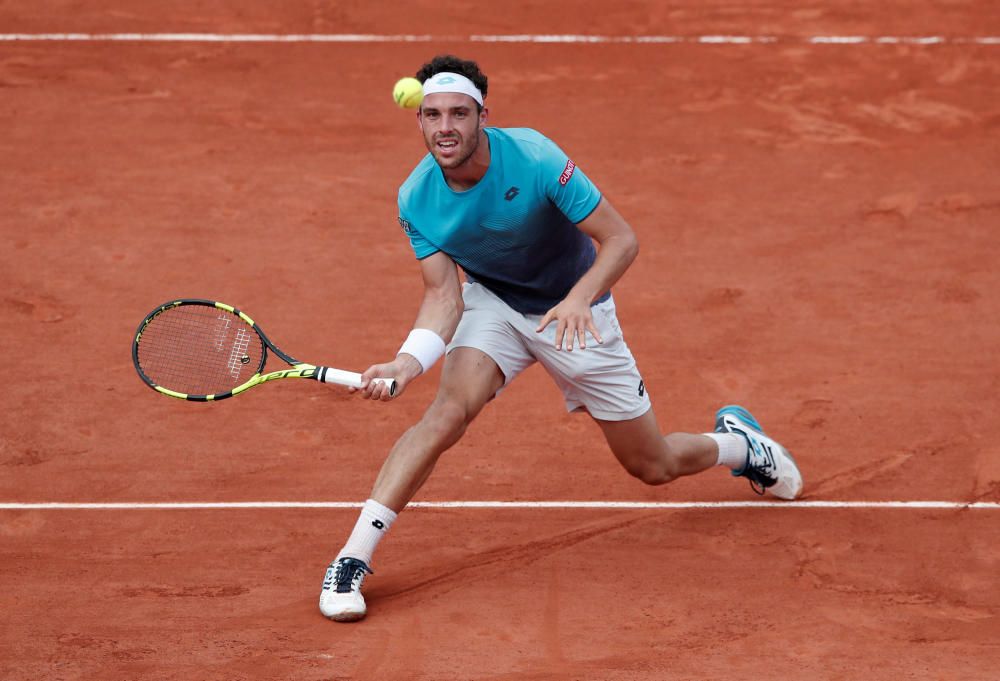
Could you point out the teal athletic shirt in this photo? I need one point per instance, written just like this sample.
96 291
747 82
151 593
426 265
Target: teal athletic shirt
515 231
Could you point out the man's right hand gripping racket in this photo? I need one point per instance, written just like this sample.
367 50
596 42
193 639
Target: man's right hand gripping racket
206 351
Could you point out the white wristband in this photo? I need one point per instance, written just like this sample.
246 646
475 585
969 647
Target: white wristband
425 345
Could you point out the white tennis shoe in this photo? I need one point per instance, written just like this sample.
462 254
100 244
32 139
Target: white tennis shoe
341 598
769 466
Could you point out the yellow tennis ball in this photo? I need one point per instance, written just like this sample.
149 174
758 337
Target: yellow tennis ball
408 93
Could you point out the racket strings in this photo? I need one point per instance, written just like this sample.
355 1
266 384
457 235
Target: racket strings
199 350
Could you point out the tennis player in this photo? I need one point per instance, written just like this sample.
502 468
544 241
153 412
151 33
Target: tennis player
510 209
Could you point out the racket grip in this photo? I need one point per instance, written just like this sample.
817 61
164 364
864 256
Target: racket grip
351 379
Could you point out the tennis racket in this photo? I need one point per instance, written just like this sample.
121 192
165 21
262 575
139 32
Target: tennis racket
205 351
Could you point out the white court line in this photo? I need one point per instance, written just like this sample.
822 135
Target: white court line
511 38
630 505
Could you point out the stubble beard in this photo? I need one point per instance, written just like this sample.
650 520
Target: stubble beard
457 161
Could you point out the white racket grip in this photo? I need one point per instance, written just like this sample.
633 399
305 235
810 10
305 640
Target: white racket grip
351 379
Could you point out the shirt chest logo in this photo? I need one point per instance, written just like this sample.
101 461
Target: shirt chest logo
511 194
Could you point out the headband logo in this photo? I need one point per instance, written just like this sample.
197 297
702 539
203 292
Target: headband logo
447 80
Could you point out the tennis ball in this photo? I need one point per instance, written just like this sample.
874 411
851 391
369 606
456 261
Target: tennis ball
408 93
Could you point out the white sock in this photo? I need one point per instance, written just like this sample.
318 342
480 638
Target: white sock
374 521
732 450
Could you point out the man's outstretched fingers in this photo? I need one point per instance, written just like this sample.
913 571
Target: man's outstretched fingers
594 332
546 320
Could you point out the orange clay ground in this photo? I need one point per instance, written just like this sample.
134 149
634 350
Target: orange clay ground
818 228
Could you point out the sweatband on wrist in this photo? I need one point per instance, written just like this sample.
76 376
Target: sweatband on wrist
425 345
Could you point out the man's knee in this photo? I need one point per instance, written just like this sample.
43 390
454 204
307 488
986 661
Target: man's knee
651 467
446 420
651 473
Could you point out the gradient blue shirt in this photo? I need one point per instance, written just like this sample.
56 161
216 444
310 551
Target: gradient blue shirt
515 231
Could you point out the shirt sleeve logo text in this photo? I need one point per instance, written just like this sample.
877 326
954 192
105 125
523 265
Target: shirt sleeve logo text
567 173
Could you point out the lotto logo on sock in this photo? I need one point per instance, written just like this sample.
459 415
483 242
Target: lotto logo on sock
378 524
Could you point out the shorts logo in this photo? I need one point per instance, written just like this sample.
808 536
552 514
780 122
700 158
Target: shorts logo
567 173
642 388
405 224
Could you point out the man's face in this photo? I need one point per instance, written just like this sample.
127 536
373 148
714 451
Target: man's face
451 125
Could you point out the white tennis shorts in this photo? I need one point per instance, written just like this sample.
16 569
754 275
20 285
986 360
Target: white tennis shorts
601 379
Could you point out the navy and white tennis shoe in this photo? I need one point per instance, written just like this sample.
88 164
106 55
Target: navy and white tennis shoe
769 466
341 598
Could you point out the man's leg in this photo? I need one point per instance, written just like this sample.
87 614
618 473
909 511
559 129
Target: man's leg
648 455
469 379
738 443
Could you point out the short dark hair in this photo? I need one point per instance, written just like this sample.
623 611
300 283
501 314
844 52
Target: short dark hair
453 64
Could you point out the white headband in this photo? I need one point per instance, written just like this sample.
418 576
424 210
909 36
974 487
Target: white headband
452 82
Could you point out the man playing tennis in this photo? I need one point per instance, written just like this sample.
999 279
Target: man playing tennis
520 219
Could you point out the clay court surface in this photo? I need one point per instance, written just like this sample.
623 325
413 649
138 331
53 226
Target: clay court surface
819 239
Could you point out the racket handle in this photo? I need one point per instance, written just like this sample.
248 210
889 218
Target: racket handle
351 379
